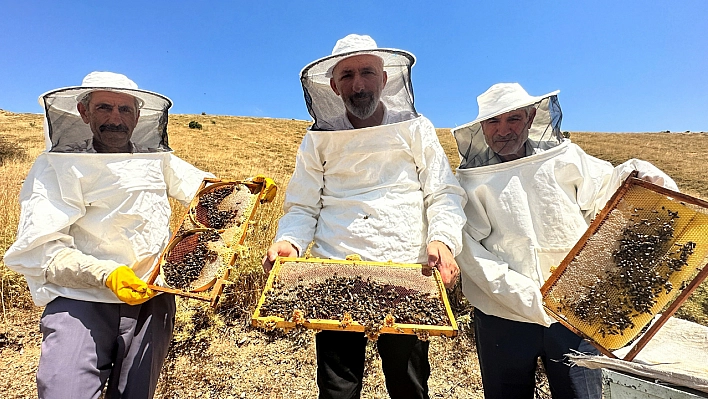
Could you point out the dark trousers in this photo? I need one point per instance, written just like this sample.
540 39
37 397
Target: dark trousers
88 345
508 352
340 364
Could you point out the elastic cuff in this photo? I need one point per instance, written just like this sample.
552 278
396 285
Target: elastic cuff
73 269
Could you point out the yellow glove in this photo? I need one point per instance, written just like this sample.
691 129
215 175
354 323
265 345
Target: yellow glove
128 287
269 187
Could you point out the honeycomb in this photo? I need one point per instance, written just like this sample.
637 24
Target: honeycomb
647 248
372 297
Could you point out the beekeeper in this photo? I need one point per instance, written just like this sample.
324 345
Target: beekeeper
94 219
370 179
532 194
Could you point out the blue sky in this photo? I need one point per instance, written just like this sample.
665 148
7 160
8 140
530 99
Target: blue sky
621 66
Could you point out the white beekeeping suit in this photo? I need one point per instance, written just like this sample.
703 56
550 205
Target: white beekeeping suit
83 213
524 215
382 192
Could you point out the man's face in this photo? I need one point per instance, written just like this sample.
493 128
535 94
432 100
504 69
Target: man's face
112 118
507 133
359 80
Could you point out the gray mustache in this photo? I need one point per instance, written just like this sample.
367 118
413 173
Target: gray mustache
362 96
113 128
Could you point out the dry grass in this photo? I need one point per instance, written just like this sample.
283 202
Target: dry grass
21 141
680 155
214 353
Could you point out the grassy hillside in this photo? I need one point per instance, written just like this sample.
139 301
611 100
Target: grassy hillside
215 354
681 155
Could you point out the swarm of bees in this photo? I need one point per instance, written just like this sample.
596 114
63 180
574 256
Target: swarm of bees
354 299
180 273
226 206
646 259
210 201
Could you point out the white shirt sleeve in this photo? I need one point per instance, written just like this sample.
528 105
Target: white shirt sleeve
302 198
647 172
183 179
444 198
600 181
46 213
508 292
44 249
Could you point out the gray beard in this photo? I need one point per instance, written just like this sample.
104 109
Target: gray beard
362 111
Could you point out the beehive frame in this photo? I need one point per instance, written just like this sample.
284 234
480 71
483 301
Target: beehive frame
225 257
212 291
633 185
232 235
423 331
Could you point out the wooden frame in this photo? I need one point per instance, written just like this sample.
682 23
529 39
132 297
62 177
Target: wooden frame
212 291
336 325
592 229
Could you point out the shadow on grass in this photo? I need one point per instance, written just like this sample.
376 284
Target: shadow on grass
11 151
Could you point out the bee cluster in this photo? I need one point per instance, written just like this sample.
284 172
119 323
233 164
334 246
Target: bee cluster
645 261
354 299
184 271
226 206
210 201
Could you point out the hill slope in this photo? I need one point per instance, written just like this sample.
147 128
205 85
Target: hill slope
215 354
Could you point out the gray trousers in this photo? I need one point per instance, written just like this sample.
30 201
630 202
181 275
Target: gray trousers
87 345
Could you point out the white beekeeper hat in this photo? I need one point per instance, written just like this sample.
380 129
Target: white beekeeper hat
351 45
324 105
109 81
65 131
504 97
544 132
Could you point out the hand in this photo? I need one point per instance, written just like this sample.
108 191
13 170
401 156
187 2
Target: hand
280 248
269 187
128 287
658 179
440 257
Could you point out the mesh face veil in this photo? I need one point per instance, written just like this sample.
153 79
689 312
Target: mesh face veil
544 133
327 108
65 131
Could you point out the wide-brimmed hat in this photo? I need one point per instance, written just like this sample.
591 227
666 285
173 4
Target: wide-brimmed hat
109 81
112 81
351 45
504 97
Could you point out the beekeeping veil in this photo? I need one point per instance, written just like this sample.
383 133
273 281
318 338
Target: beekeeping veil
65 131
327 108
544 133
